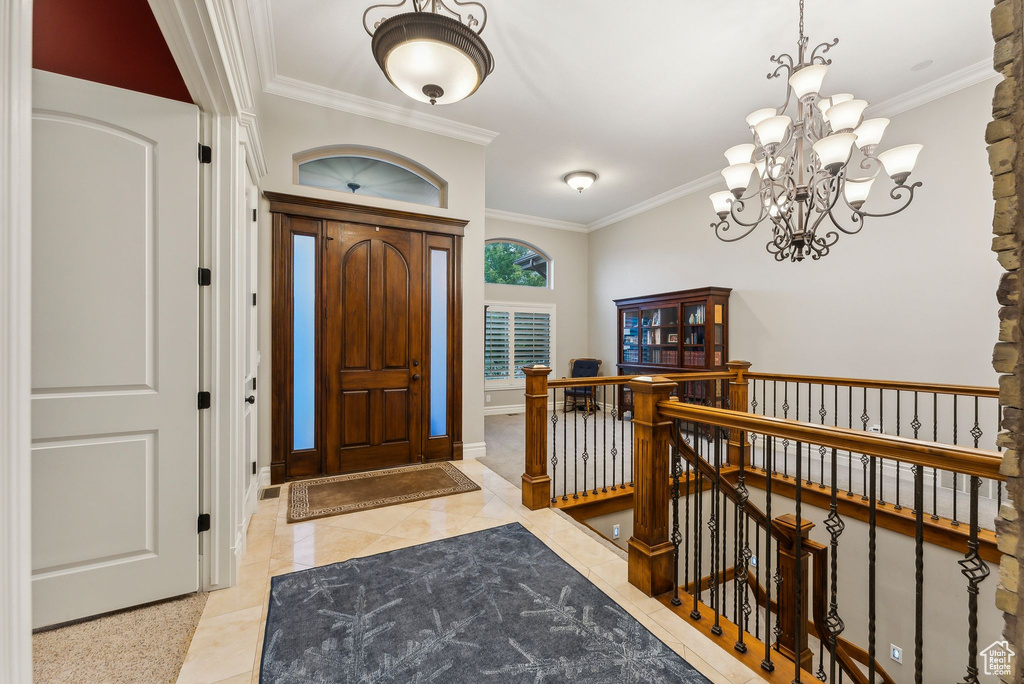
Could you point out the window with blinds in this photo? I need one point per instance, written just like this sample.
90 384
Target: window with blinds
516 336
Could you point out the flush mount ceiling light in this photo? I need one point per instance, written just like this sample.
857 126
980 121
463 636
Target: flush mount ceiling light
432 52
798 174
580 180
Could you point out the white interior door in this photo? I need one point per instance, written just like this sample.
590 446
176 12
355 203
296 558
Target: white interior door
115 348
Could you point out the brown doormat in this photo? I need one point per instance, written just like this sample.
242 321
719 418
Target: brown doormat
308 499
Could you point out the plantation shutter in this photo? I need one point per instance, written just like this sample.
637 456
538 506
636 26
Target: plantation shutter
497 337
532 340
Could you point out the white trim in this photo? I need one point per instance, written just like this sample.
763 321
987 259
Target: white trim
474 450
15 340
295 89
702 183
941 87
253 142
528 220
264 477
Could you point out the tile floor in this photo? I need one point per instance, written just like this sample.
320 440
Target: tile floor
228 642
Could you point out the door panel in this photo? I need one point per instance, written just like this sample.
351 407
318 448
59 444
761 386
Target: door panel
373 344
115 349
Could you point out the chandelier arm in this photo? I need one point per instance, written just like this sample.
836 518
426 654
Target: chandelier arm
723 226
856 217
383 5
734 215
784 61
824 47
900 193
822 246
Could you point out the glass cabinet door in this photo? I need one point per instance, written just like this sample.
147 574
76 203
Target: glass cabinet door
694 330
630 336
719 331
659 337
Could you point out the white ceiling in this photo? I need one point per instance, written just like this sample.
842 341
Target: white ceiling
646 94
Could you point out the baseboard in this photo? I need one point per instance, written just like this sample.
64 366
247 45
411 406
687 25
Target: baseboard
264 477
474 450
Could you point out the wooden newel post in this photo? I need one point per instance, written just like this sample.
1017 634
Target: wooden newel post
536 481
738 401
650 551
792 641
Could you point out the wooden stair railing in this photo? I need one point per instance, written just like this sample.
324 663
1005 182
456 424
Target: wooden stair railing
654 548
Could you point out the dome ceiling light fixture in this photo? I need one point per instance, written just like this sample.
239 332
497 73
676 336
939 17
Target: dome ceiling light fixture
580 180
432 52
798 173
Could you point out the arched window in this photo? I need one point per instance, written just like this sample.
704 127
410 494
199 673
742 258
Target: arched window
513 262
372 172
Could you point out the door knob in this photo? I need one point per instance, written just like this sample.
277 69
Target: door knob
415 363
415 376
250 399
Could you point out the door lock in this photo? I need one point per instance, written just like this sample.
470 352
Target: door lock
415 363
250 399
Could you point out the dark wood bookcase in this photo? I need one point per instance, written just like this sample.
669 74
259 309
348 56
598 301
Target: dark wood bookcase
674 332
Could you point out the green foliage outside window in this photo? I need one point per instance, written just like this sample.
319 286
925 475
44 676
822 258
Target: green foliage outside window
500 265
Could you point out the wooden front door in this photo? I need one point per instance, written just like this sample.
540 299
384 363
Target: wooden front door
373 344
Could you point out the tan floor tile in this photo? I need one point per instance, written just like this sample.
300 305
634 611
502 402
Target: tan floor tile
243 678
248 591
377 520
467 503
280 567
588 551
699 646
477 523
324 544
499 510
388 543
222 647
428 525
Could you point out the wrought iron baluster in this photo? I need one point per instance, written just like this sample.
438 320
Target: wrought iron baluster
716 629
935 471
676 535
586 455
849 454
741 553
554 441
881 461
898 428
723 563
686 526
604 438
698 532
975 570
594 392
872 532
757 575
766 664
864 418
821 450
575 451
785 414
798 575
565 448
918 573
956 485
632 443
835 526
614 421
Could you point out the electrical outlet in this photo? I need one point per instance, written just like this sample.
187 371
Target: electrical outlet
875 428
896 653
753 561
615 531
487 398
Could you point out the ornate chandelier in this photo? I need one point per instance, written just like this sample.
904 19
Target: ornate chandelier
797 173
432 52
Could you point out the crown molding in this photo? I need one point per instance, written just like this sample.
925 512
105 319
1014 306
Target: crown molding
528 220
940 87
248 122
683 190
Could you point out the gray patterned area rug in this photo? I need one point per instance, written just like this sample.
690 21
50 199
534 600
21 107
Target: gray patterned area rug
493 606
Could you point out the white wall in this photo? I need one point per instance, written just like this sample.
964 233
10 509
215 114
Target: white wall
289 126
909 298
569 276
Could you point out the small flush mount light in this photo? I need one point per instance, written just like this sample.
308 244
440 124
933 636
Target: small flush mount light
580 180
921 66
431 51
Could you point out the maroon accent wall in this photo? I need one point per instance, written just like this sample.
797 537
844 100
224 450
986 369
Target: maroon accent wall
116 42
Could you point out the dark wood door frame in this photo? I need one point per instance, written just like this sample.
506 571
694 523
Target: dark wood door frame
293 215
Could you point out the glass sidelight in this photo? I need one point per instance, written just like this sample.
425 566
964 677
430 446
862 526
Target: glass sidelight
438 342
303 341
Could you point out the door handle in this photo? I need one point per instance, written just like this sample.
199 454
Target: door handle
250 399
415 376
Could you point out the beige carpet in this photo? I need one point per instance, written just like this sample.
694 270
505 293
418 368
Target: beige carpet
146 645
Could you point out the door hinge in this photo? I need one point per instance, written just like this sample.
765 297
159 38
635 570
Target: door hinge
204 400
254 467
204 522
254 299
254 216
205 277
205 154
254 383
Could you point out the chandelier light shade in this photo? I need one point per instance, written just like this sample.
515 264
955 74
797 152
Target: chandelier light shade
580 180
432 53
803 152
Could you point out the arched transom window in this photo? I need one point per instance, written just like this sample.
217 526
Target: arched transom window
371 172
513 262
